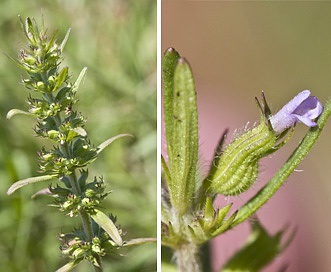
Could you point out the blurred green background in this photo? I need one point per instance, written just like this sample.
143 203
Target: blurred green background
237 49
116 40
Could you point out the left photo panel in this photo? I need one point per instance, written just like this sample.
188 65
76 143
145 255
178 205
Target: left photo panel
78 152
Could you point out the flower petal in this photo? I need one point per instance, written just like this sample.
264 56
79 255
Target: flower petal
310 106
302 107
306 120
291 106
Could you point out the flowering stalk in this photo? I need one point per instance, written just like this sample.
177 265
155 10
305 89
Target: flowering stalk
289 166
188 216
52 101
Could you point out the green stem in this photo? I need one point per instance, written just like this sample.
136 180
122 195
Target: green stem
293 161
85 217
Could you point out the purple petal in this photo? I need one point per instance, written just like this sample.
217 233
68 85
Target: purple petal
305 120
302 107
291 106
311 108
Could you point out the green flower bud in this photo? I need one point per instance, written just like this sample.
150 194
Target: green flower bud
52 134
238 165
237 168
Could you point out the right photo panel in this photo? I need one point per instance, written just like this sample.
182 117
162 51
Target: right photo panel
245 139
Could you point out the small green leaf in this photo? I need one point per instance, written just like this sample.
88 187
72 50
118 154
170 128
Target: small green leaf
83 177
221 214
103 145
107 224
31 30
27 181
74 132
209 210
61 78
67 267
14 112
52 40
226 225
81 131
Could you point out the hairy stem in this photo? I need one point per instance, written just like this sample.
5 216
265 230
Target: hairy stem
187 258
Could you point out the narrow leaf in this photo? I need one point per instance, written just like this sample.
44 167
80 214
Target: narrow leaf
67 267
61 78
226 225
14 112
79 79
44 191
209 210
52 40
183 142
17 63
170 60
222 213
139 241
64 42
24 182
103 145
107 224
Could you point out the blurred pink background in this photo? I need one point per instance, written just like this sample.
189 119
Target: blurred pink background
236 50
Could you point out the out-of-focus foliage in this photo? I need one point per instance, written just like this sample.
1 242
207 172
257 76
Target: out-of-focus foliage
116 40
260 249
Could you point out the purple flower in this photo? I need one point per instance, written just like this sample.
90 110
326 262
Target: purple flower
303 108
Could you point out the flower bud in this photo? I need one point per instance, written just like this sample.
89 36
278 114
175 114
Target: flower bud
237 168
